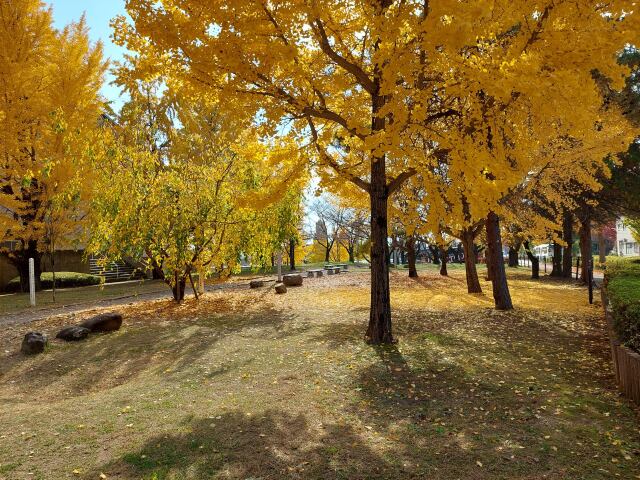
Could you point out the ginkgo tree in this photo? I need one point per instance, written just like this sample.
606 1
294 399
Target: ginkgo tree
374 87
49 112
180 196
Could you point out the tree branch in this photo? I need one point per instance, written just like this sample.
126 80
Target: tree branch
360 75
328 159
397 182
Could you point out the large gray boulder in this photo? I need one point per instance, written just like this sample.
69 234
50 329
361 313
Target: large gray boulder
281 288
73 333
292 280
33 343
105 322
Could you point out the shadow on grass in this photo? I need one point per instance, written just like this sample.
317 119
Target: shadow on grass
235 445
107 360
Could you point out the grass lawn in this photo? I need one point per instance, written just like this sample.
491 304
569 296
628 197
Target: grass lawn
250 385
13 303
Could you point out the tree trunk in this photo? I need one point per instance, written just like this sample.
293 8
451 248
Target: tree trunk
602 247
411 255
327 255
435 254
443 262
379 330
292 254
513 257
473 282
20 260
567 236
178 288
193 287
557 260
352 256
53 273
535 261
156 269
157 273
585 247
487 256
501 295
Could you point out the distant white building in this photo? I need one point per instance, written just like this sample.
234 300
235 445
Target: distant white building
626 245
544 250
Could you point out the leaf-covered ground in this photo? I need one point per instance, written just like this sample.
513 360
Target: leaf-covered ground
247 384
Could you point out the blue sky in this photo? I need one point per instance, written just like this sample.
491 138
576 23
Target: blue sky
98 13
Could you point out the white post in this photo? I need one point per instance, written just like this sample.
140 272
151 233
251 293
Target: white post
32 283
279 260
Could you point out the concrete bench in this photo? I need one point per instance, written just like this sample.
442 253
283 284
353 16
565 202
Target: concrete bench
316 273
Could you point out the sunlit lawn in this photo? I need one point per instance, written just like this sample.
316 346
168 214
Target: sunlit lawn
247 384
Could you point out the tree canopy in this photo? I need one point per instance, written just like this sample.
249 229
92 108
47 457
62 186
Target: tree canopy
49 114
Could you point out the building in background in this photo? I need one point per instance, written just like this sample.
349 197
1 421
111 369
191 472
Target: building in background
626 244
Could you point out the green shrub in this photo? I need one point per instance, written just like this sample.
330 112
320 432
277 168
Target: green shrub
623 286
63 280
623 265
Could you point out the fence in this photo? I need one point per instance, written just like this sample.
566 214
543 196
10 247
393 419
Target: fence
626 362
524 261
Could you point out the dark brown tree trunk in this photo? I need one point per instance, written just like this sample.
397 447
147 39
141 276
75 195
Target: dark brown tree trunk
567 236
501 295
292 254
473 282
178 288
411 255
602 246
379 330
513 257
489 263
585 247
435 254
156 269
327 255
157 273
352 255
443 262
535 261
20 260
556 271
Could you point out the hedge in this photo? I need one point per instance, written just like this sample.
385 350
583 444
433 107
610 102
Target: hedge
623 287
63 280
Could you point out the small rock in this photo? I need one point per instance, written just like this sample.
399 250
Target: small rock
256 283
281 288
73 334
106 322
292 280
33 343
